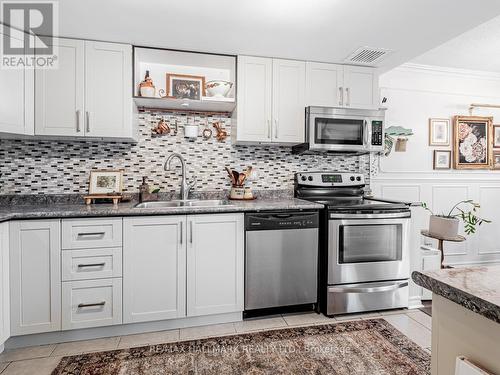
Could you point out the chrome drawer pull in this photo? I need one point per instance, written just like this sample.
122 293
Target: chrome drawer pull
97 304
373 289
92 265
91 234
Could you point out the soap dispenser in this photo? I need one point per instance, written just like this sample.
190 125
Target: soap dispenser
143 190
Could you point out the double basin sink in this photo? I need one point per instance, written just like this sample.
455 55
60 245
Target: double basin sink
184 203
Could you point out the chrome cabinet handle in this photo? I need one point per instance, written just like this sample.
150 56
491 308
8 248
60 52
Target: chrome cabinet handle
92 265
341 96
87 119
91 234
182 230
276 128
78 114
348 97
191 232
269 129
97 304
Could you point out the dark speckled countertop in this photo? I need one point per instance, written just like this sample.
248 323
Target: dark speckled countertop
46 211
475 288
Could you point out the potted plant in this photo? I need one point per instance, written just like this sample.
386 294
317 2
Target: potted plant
446 226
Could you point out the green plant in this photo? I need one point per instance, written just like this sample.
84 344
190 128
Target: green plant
468 216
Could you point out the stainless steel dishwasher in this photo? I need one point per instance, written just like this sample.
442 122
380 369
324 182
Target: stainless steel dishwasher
281 260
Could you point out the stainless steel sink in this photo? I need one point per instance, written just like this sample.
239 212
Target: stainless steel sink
186 203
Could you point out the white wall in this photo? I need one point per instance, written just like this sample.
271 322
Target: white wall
416 93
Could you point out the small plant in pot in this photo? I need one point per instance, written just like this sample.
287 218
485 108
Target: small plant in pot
446 225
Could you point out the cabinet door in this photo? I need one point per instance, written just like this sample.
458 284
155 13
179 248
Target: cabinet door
4 284
361 87
35 275
108 83
324 84
289 86
154 268
17 98
60 92
215 264
254 99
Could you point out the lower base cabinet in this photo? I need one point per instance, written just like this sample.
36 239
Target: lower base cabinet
4 284
91 303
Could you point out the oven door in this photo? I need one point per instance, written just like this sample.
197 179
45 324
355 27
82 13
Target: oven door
338 133
368 247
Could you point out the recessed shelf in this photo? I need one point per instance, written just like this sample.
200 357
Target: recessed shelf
207 104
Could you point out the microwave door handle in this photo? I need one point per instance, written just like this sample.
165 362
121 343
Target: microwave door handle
366 138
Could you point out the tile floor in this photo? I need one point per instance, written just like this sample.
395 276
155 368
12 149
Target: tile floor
41 360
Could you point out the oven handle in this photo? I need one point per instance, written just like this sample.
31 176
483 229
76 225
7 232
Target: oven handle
391 215
372 289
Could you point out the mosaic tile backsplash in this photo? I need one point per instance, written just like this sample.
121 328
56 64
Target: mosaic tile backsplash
58 167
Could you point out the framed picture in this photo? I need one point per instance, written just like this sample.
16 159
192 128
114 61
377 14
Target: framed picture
442 159
184 86
439 132
472 142
496 160
496 136
106 182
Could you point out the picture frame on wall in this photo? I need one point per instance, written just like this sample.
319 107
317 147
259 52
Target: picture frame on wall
496 136
106 182
442 159
184 86
496 160
439 132
472 143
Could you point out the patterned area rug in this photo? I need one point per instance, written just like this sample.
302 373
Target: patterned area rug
371 347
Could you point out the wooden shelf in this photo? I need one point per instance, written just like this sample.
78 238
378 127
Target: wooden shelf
208 104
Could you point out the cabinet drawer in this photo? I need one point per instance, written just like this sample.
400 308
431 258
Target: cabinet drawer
91 303
92 233
88 264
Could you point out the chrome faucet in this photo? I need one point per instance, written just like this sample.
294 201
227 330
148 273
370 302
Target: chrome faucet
185 186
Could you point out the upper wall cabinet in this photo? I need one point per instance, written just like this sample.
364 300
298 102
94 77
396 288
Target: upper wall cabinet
16 101
271 101
331 85
89 94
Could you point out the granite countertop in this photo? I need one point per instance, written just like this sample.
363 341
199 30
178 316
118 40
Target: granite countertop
475 288
46 211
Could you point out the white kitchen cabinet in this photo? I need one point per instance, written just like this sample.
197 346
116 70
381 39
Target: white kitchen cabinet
4 285
108 90
254 112
35 276
215 264
332 85
60 92
271 101
16 99
91 233
289 90
154 268
361 87
324 84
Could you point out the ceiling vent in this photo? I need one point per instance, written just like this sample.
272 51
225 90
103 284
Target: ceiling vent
367 56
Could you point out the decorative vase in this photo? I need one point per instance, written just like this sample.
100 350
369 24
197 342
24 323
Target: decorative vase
146 87
443 227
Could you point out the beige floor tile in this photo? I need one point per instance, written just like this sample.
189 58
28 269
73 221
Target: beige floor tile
260 324
151 338
3 366
393 312
194 333
39 366
87 346
421 317
307 318
369 315
415 331
30 352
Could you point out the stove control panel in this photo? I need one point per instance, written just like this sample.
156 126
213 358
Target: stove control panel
326 179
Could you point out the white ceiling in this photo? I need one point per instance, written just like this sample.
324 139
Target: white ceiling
318 30
477 49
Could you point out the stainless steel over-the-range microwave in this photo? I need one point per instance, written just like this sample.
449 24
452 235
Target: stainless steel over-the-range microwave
345 129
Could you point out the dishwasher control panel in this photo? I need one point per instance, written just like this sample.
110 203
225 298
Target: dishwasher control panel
281 220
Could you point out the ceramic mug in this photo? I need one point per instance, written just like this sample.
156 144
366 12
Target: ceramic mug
191 131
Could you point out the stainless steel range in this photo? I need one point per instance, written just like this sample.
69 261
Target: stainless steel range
364 258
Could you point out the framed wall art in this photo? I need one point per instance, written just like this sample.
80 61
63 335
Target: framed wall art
496 136
106 182
496 160
183 86
439 132
472 144
442 159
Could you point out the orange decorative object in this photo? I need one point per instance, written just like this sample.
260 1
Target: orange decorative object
161 128
221 133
